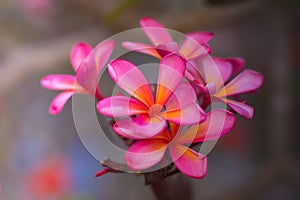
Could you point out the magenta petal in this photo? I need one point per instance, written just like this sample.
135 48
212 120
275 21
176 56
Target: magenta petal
127 76
217 123
139 128
241 108
237 64
224 67
88 72
246 81
210 88
194 44
59 82
117 106
156 33
144 154
188 161
167 48
59 101
171 71
142 48
79 52
190 114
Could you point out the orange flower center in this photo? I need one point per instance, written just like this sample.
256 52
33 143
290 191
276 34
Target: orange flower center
155 110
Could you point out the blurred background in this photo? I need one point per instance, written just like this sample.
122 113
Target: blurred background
42 157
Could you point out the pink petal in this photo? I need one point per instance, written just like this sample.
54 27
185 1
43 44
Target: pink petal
131 79
193 74
190 114
59 101
171 71
199 51
88 72
241 108
144 154
246 81
102 53
59 82
188 161
200 37
167 48
156 33
237 64
210 88
218 122
210 71
224 67
193 43
79 52
170 46
139 128
142 48
117 106
179 98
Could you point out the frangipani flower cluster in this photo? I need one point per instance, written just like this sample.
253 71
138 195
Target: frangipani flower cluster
166 119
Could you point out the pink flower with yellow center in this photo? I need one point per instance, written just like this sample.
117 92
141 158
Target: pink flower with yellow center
193 45
174 100
212 78
144 154
87 69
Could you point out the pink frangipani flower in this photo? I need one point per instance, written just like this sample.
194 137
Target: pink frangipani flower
149 114
87 69
212 75
144 154
193 45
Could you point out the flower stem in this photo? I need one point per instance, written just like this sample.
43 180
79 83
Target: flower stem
175 187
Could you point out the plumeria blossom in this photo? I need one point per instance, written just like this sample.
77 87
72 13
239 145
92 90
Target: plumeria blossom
193 45
161 122
212 75
149 114
146 153
87 69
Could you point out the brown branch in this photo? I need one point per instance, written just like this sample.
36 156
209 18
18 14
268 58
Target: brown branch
176 187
